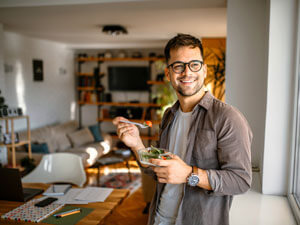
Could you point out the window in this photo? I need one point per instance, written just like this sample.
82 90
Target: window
294 190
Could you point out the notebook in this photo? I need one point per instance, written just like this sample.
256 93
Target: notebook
11 186
28 212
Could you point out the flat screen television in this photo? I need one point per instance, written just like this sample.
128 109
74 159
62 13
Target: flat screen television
128 78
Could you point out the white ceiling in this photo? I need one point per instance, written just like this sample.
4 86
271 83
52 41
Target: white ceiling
149 22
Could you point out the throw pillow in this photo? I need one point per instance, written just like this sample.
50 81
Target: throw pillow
63 143
38 148
95 129
81 137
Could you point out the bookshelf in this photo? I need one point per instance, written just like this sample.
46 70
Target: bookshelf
89 92
9 129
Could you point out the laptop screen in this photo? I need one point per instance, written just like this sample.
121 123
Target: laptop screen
11 186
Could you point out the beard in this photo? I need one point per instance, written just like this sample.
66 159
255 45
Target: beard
186 93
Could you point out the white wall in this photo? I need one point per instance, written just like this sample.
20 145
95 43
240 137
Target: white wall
280 95
45 102
246 70
260 81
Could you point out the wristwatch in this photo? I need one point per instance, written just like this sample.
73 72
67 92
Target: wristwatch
193 179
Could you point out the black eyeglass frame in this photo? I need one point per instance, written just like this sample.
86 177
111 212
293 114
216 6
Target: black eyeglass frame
184 64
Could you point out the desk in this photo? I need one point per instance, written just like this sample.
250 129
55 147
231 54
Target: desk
97 216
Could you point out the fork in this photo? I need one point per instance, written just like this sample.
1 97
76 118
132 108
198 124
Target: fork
138 124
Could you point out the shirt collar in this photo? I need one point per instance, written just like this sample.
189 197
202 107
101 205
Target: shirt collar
205 102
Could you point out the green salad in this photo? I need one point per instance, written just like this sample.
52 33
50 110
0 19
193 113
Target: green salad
155 153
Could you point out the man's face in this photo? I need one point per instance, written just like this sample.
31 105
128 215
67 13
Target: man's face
187 83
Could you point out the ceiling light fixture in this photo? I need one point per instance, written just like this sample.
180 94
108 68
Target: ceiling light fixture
114 30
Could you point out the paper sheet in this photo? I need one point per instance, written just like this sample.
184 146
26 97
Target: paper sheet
94 194
69 197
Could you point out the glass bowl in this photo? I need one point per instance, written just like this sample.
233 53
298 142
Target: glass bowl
153 153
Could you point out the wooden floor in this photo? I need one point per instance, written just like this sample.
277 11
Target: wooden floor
130 212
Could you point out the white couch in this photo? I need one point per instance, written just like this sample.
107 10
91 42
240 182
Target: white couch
66 137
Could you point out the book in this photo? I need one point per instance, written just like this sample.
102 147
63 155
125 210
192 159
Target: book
57 189
28 212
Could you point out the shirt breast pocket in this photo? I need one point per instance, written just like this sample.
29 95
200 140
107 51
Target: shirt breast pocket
205 149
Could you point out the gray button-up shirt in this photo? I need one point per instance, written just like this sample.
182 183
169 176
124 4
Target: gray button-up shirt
219 141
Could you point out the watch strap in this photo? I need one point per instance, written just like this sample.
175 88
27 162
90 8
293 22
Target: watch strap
195 170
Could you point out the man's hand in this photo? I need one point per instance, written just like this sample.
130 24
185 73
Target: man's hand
172 171
128 133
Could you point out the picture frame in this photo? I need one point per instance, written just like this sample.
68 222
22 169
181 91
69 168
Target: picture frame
38 73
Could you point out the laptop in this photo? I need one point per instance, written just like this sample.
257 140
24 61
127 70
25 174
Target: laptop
11 186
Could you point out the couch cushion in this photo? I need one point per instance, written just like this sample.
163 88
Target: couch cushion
81 137
38 148
41 135
63 143
67 127
95 129
59 134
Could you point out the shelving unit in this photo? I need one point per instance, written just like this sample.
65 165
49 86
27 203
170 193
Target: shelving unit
11 131
99 103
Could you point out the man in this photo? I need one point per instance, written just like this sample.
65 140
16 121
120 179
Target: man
210 142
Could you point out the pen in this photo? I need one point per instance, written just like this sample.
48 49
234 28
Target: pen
67 213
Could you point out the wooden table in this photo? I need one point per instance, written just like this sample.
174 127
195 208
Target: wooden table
97 216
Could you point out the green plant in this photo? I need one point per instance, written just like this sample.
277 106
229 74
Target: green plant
216 71
164 95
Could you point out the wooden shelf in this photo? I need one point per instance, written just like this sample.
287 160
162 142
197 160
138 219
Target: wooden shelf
119 59
13 117
89 89
88 74
133 120
144 104
150 82
16 144
152 138
9 129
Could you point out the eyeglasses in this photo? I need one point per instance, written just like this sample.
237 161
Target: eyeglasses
179 67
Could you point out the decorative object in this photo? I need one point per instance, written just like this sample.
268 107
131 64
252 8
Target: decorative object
7 138
38 74
108 54
137 55
122 54
114 30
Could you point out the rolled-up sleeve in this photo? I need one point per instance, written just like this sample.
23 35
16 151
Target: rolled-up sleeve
234 139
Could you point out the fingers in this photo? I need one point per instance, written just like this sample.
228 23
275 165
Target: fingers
160 162
124 129
116 120
162 175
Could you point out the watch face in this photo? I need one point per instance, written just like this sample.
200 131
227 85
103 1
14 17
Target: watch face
193 180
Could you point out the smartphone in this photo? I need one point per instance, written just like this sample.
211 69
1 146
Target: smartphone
45 202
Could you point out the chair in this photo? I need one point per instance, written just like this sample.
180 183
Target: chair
58 168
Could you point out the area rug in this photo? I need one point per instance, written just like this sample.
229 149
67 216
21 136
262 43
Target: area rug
121 181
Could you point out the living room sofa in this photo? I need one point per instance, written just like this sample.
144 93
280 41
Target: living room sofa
65 137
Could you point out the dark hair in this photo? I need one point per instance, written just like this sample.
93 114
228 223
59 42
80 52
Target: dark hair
182 40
